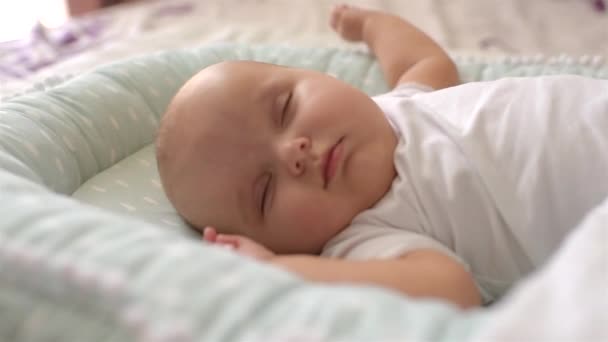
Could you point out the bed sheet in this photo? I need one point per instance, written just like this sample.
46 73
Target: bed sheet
479 27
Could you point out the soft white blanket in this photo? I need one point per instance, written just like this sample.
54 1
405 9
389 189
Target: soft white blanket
565 301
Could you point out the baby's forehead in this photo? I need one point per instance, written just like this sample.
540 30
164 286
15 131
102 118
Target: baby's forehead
220 109
222 81
237 70
232 87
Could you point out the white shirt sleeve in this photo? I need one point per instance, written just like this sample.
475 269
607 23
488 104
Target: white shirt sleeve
409 89
366 241
393 98
369 242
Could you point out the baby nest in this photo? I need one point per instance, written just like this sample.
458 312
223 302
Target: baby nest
94 248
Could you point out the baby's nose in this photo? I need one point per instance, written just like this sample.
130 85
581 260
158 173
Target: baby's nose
295 155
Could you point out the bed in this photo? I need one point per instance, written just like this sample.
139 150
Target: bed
90 249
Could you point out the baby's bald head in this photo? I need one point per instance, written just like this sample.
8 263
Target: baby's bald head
244 147
188 126
200 138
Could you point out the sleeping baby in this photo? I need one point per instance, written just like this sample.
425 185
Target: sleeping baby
435 190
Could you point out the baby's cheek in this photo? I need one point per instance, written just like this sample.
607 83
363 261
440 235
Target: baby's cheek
312 216
308 213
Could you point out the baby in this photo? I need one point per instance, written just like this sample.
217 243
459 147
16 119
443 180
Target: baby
433 189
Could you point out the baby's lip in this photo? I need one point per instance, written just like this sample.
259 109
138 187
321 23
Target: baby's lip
329 163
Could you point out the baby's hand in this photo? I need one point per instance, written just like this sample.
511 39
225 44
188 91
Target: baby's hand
238 243
348 21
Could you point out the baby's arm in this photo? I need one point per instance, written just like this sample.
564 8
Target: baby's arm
422 273
405 53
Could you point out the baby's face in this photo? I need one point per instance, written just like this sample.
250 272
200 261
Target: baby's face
284 156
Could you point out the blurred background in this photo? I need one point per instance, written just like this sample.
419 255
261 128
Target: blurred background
43 38
18 17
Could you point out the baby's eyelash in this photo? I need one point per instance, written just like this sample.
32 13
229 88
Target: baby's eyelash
285 108
264 195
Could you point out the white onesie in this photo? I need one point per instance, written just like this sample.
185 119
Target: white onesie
494 174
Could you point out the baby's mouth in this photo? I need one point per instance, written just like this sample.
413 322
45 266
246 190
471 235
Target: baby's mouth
331 161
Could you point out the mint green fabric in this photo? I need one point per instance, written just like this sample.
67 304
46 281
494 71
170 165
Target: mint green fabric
133 187
72 271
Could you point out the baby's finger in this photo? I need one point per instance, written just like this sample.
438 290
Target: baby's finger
228 240
226 245
209 234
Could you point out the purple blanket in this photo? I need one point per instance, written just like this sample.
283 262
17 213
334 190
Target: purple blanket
44 47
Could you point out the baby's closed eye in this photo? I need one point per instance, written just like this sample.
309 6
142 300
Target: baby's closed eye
265 198
284 102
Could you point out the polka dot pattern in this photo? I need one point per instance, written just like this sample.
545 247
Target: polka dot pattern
132 187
